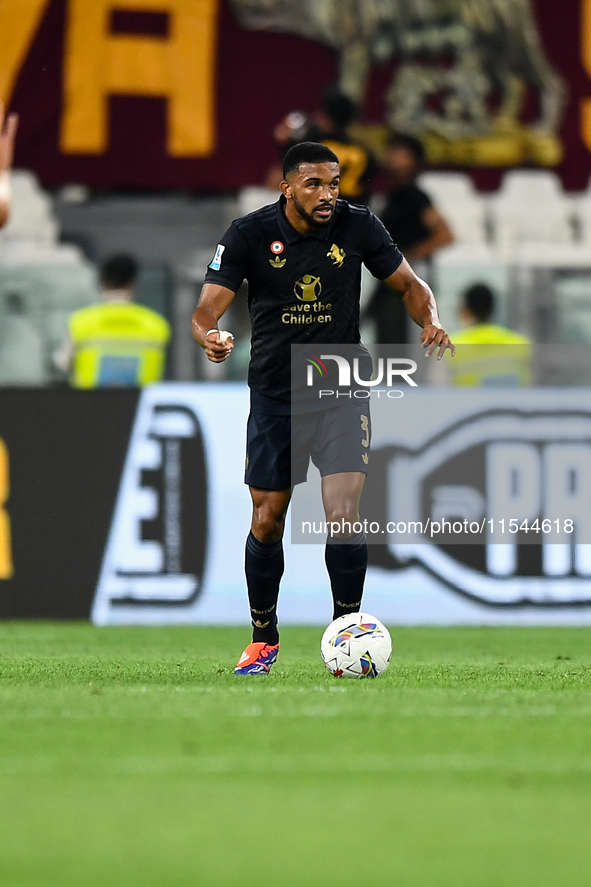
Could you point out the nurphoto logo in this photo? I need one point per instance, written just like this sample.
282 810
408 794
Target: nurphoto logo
388 372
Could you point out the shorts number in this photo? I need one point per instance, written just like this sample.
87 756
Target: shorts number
6 567
365 427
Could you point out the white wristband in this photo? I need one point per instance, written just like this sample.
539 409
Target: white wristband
5 187
224 335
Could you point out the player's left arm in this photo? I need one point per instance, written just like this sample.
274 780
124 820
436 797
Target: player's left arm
420 304
8 129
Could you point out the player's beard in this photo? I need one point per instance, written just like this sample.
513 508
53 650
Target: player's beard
308 217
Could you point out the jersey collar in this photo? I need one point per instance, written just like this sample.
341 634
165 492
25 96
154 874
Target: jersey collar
290 235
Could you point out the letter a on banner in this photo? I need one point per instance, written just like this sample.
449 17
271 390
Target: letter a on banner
179 67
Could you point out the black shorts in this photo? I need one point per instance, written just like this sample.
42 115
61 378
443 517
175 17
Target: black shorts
336 440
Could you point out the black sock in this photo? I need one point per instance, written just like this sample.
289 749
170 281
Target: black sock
263 564
346 563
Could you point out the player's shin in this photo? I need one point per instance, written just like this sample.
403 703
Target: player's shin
263 564
346 562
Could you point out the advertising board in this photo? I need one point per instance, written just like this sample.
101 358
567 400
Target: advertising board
130 508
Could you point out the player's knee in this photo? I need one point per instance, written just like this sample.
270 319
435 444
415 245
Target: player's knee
342 519
347 510
267 525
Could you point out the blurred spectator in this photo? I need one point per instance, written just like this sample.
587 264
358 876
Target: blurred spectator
488 354
330 126
8 129
475 313
357 163
116 343
415 225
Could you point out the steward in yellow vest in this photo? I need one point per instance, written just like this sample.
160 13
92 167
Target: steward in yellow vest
488 355
117 343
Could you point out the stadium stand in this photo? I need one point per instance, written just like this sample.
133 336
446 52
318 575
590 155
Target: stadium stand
529 221
41 282
530 212
581 215
461 204
171 231
31 218
254 197
22 357
529 226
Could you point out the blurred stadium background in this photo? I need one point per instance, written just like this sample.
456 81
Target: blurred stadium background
132 755
146 127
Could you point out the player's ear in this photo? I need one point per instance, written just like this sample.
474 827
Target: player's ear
285 189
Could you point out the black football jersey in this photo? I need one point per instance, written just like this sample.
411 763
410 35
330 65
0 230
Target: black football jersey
301 288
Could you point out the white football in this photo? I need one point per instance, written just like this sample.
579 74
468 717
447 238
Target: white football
356 646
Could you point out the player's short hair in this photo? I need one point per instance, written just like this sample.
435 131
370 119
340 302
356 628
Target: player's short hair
307 152
413 145
480 301
119 271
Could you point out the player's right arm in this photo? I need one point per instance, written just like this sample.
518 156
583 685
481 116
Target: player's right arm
213 301
223 278
8 128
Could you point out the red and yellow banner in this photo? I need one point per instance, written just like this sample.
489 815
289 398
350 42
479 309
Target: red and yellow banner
160 94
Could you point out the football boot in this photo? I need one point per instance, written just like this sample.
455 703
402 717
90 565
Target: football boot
257 659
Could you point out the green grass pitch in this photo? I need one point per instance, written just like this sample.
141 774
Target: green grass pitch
132 757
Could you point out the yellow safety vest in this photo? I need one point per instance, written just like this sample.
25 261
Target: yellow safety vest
117 344
491 356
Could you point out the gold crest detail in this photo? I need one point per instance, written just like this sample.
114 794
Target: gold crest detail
277 262
336 254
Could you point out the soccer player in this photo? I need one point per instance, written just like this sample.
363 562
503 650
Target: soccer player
308 235
8 129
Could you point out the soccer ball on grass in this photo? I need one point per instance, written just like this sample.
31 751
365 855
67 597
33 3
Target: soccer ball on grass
356 646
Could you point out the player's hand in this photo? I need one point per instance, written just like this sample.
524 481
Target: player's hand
433 338
217 348
8 129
